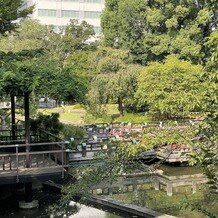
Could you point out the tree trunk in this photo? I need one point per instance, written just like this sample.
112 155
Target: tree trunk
120 106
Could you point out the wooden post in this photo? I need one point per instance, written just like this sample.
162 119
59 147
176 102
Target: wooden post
27 127
28 192
13 122
83 149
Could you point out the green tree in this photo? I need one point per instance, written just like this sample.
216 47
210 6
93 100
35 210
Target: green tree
116 88
56 60
212 46
116 81
67 86
151 30
172 88
10 12
68 53
29 35
71 40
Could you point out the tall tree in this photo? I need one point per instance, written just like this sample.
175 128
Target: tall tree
10 12
58 66
71 40
151 30
29 35
173 88
115 87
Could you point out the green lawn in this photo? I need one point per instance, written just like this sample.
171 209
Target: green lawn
72 114
76 114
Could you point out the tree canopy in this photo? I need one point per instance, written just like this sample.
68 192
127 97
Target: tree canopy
151 30
35 58
173 88
116 80
10 12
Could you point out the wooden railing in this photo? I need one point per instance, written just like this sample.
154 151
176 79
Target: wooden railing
15 157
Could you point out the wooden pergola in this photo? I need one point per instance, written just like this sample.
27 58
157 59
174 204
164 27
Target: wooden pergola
23 164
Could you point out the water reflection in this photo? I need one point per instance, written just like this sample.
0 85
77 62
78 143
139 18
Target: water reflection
167 193
168 178
90 212
9 208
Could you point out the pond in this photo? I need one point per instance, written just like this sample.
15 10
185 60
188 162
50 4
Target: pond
138 190
182 195
9 208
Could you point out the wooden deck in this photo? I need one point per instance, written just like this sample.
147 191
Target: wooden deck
44 164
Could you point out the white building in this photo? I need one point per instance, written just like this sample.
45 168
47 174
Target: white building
59 12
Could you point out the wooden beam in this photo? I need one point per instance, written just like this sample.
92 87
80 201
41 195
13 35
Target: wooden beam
13 122
27 127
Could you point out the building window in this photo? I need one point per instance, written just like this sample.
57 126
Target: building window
47 13
70 13
92 14
93 1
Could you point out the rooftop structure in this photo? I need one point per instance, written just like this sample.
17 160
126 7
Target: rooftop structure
59 12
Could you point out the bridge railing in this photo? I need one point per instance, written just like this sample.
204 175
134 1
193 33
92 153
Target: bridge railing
125 128
38 155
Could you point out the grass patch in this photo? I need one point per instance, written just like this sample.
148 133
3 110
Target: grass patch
76 114
73 114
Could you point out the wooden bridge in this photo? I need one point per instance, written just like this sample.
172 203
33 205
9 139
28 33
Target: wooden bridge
99 135
86 150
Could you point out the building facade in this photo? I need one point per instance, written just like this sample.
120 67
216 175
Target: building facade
59 12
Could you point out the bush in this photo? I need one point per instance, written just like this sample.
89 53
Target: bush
48 123
70 131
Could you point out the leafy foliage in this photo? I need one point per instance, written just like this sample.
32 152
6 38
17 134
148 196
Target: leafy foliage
70 131
46 124
207 154
172 88
115 83
45 72
10 12
23 77
118 162
152 30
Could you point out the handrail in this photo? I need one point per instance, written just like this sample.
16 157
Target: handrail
35 152
11 161
9 130
33 144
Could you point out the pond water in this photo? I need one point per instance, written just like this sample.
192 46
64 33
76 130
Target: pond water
9 208
144 195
